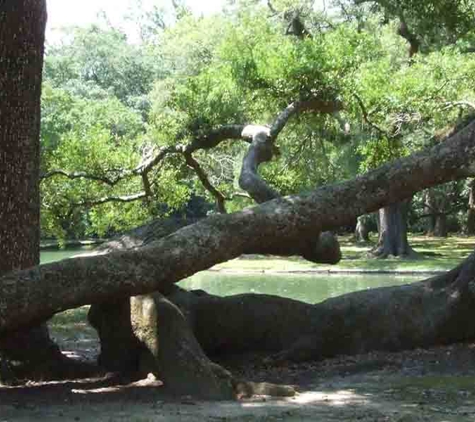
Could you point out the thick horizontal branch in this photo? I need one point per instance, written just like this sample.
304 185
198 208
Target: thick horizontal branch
35 294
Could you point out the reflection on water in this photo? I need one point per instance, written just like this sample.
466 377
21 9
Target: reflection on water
310 288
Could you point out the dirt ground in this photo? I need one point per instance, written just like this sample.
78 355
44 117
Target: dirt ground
435 385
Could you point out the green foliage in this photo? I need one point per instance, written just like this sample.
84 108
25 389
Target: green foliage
102 58
106 102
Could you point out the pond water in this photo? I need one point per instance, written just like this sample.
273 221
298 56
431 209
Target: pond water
308 287
53 254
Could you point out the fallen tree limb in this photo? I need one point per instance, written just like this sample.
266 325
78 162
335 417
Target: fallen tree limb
34 295
423 314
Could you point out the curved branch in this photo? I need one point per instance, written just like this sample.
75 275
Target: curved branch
260 151
218 196
262 146
314 105
215 137
366 116
462 103
207 141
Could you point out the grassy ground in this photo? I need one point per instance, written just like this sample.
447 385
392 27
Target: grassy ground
435 254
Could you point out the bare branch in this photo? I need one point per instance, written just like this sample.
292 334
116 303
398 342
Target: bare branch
271 7
146 184
218 196
403 31
106 199
146 166
260 151
462 103
366 117
81 175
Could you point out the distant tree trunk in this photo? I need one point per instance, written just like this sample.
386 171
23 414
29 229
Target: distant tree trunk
470 227
441 228
392 228
22 27
429 205
362 229
437 217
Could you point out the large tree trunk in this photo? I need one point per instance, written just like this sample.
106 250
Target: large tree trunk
22 27
392 227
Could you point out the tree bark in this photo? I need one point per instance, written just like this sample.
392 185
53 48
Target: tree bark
149 334
22 27
392 227
276 226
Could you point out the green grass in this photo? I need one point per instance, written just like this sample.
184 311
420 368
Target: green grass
435 254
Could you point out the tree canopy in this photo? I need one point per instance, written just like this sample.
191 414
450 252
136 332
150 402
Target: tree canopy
109 105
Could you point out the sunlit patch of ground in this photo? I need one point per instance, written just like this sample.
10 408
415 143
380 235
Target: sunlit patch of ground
435 254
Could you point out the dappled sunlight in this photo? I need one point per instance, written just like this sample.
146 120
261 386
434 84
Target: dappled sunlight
149 381
326 398
334 398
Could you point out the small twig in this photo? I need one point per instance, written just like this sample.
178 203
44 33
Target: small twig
366 117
